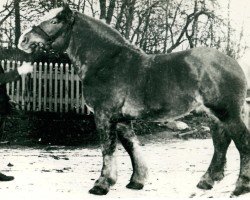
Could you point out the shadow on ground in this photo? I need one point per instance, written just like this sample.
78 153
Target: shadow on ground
70 129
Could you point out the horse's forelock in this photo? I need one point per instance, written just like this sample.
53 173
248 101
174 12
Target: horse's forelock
51 14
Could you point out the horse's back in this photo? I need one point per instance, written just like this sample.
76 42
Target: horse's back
199 67
179 81
198 60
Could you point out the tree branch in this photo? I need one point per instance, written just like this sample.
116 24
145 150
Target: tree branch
190 18
6 16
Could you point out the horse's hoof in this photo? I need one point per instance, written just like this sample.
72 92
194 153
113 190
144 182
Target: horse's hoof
6 178
97 190
240 190
205 185
135 186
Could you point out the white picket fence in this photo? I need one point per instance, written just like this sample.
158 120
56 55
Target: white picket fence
51 88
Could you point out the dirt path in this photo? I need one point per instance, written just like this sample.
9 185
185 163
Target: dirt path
175 169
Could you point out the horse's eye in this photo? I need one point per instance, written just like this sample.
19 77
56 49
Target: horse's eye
54 21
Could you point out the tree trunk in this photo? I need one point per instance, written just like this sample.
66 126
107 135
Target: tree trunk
129 18
166 28
228 29
102 9
119 17
17 21
54 3
110 11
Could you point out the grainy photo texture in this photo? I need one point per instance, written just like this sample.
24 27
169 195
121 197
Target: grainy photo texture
124 99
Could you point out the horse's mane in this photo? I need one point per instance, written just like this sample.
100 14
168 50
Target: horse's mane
107 32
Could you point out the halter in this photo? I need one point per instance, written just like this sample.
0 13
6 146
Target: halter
51 38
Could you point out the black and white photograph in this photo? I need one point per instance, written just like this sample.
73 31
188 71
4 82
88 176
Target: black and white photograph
124 99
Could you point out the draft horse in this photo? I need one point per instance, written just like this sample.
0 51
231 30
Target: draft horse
122 83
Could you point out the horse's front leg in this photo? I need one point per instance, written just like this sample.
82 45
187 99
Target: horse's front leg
108 139
131 144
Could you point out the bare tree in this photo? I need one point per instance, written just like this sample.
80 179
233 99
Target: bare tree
154 25
120 15
17 21
102 9
110 11
9 8
129 17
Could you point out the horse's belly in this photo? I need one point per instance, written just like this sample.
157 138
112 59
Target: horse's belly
175 109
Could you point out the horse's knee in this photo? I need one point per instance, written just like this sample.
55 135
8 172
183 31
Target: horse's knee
125 131
123 126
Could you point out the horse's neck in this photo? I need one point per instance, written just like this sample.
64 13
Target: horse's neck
87 54
91 55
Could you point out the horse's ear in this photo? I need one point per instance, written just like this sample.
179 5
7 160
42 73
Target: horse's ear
66 13
66 8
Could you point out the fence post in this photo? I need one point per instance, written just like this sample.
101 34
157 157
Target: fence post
34 86
39 86
56 87
66 88
77 94
45 79
72 82
61 87
12 83
8 69
50 86
18 89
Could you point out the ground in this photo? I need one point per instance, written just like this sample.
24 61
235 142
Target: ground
57 172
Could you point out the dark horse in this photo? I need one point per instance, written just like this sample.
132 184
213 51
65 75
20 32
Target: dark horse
122 83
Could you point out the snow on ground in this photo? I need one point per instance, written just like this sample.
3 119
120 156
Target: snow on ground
61 173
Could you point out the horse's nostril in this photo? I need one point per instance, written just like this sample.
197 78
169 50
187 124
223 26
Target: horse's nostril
24 40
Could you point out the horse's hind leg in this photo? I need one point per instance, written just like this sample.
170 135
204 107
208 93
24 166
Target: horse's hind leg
215 171
241 137
130 143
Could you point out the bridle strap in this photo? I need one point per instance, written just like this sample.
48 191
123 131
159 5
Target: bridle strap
40 31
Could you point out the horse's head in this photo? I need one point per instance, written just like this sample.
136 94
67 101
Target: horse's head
52 33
